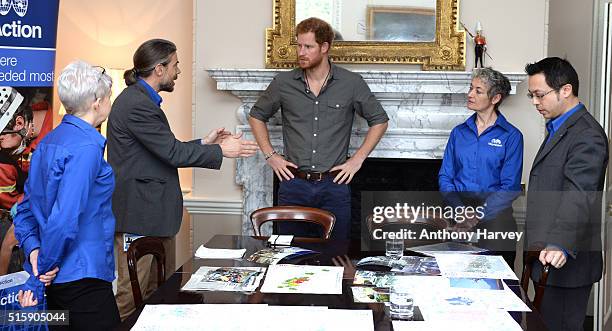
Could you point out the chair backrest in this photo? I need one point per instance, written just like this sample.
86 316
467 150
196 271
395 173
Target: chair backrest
530 258
294 213
139 248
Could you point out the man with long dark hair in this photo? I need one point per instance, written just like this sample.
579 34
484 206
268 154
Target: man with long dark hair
145 155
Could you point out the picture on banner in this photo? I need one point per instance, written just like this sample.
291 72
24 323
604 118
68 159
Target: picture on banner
28 31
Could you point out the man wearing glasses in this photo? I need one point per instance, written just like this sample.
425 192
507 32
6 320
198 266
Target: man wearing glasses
145 156
564 194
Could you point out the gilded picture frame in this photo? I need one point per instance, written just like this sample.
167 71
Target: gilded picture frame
447 52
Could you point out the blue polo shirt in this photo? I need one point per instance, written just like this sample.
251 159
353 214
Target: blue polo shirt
66 211
489 165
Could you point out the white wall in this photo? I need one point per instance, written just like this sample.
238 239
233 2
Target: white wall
570 37
231 37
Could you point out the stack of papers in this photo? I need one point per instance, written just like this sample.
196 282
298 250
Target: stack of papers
474 266
215 317
243 279
304 279
274 255
440 294
373 278
219 253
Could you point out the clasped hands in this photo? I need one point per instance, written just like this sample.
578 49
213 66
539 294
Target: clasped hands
26 299
231 144
554 256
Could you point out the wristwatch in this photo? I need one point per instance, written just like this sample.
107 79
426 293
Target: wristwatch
269 155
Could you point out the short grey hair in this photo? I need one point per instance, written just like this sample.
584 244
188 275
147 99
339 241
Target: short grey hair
496 82
80 84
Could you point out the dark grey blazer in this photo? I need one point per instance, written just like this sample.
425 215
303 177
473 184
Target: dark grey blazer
145 156
564 199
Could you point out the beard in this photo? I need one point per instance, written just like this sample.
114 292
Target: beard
167 86
310 63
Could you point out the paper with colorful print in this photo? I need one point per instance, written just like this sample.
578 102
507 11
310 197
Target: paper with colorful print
303 279
241 279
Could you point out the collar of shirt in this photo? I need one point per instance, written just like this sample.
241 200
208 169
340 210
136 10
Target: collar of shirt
86 127
554 124
301 74
155 97
500 121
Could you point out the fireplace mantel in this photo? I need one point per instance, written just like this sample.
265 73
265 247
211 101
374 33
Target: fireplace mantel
422 106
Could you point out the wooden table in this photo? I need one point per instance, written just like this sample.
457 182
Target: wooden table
169 292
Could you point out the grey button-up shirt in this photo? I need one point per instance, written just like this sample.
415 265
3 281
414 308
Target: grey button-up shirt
317 129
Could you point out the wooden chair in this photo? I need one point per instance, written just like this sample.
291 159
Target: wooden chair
139 248
530 258
293 213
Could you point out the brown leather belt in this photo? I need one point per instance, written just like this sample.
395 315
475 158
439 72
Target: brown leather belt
313 176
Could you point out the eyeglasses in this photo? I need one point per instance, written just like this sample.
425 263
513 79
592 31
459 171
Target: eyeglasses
538 96
102 72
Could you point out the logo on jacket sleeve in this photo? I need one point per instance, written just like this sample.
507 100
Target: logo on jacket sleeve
495 142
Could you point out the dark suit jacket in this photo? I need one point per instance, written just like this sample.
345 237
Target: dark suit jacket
145 156
564 199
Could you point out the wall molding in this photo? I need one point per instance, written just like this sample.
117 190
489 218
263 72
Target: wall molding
207 206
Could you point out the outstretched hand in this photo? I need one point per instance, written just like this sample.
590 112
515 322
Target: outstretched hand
216 136
233 146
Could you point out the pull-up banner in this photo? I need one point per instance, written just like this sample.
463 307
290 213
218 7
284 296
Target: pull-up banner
28 30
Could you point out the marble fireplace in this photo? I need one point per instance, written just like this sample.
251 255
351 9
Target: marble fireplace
422 106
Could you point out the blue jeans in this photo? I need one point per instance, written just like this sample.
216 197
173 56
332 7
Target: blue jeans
324 194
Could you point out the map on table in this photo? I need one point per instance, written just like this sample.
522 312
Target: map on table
304 279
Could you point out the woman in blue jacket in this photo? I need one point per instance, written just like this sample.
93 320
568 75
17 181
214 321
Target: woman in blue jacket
65 220
483 161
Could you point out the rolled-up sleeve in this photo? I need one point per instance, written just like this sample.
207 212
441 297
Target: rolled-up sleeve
268 103
367 106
